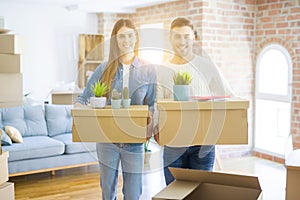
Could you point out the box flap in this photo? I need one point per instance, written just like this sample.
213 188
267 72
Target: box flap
177 190
206 105
216 178
133 111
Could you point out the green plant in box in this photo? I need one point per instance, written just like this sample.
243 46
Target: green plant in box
115 99
115 95
181 89
182 78
99 89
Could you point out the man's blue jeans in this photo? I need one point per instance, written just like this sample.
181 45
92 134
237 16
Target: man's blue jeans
132 161
193 157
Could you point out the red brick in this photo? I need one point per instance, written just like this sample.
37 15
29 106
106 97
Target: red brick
274 12
295 10
266 19
277 5
270 32
268 26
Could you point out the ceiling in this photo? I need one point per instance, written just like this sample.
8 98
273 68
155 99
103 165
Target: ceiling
94 6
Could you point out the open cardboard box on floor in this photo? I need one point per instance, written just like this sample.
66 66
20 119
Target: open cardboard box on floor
110 125
184 123
198 185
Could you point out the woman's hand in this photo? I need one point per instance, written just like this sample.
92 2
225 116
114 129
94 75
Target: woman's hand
78 105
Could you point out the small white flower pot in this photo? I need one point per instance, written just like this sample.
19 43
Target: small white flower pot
126 103
181 92
98 102
116 103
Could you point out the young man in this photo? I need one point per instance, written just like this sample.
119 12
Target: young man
206 81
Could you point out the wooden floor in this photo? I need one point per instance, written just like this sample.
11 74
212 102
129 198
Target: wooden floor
78 184
83 183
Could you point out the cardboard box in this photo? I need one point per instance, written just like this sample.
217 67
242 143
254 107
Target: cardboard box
7 191
292 163
11 87
10 63
4 167
184 123
11 104
292 182
10 44
64 97
198 184
110 125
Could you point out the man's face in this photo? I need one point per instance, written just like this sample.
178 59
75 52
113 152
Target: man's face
126 39
181 39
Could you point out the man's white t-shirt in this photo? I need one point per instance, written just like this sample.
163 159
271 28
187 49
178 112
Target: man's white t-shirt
206 79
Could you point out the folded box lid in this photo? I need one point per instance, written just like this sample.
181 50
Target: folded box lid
216 178
204 105
133 111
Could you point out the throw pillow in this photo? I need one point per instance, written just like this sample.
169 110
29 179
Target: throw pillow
14 134
5 139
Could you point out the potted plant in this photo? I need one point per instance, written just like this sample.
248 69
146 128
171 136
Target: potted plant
99 90
115 99
181 89
126 100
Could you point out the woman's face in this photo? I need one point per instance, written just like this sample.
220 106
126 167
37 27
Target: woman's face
126 40
181 39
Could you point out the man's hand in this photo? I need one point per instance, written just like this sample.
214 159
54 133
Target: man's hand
149 125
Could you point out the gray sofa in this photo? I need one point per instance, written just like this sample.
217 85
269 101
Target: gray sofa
47 140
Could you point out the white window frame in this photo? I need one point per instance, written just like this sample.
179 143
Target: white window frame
266 96
273 97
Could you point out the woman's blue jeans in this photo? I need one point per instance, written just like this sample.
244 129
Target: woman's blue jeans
132 161
193 157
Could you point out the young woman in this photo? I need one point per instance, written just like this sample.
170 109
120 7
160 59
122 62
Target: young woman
123 68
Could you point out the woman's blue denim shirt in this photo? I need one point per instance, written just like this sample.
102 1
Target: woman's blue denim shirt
142 83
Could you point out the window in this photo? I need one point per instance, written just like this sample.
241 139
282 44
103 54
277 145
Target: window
273 100
152 42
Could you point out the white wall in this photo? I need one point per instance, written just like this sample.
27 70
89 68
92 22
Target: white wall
51 43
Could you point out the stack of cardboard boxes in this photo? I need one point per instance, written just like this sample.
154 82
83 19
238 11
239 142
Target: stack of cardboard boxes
11 84
6 188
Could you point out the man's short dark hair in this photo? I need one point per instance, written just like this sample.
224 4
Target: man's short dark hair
180 22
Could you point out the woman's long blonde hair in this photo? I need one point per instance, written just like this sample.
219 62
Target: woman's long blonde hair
114 52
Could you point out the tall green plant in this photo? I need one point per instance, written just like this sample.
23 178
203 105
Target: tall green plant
182 78
99 89
125 93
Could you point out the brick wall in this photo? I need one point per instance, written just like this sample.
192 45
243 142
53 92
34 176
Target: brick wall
232 33
278 21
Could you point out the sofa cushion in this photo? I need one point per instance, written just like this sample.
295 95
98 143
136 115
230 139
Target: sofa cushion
34 147
74 147
29 120
5 139
35 120
59 119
